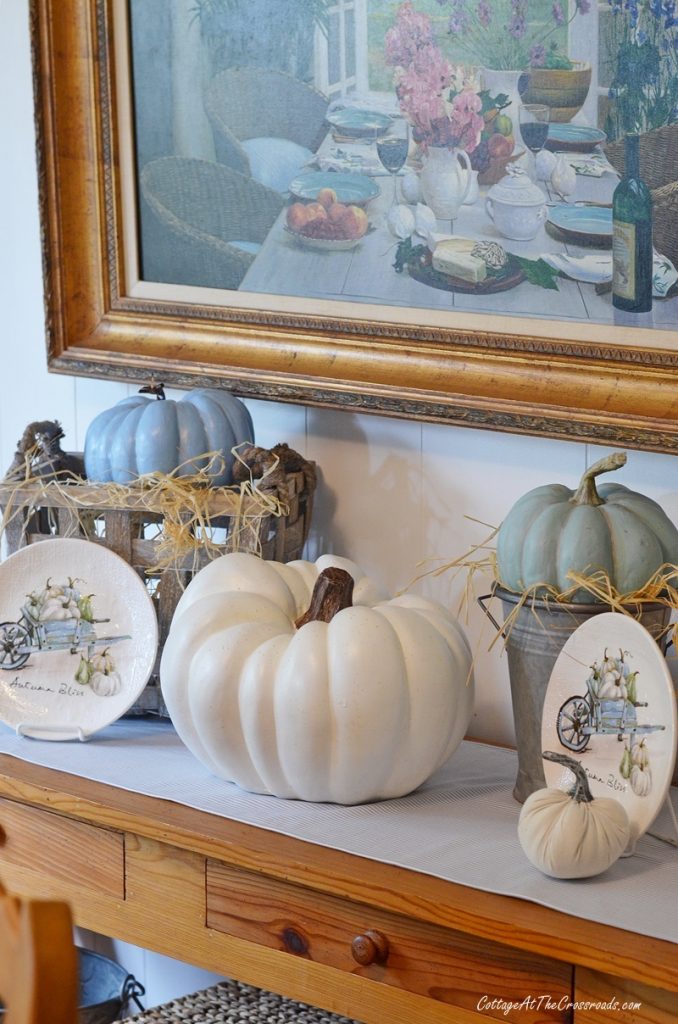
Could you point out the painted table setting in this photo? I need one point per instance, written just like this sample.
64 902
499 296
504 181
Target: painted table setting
365 273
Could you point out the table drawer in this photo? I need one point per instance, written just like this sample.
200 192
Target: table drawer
600 999
425 959
62 849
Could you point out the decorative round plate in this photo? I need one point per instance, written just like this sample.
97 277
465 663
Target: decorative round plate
355 122
574 138
610 705
324 244
422 270
583 225
356 189
78 639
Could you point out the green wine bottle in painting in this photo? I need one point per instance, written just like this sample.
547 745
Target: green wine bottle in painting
632 252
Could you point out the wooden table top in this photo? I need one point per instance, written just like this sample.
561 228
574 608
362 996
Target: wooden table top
517 923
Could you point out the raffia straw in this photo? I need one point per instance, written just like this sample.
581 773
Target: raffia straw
480 562
183 502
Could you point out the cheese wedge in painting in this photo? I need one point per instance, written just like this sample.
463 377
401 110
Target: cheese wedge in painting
435 239
453 256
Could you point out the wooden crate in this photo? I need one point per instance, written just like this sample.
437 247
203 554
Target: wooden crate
133 530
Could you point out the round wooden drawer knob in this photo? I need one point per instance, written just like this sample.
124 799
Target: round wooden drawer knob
370 948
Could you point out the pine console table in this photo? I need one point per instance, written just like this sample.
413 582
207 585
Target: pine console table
363 938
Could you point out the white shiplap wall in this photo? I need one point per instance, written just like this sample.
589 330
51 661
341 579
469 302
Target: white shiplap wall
391 493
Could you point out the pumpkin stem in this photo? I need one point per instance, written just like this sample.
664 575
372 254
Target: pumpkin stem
586 492
332 592
581 791
154 389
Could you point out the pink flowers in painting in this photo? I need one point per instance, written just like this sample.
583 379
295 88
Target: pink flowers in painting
441 114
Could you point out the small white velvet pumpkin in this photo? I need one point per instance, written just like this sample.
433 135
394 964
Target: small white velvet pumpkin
571 835
362 707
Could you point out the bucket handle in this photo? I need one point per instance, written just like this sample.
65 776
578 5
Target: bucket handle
131 990
481 601
500 629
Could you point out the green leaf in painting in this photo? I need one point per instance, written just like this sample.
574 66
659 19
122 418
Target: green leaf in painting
538 272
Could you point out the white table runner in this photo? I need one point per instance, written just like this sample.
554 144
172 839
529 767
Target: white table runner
460 826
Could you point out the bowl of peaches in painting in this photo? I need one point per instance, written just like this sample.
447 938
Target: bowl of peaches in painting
326 223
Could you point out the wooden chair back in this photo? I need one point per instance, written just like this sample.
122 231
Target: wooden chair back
38 965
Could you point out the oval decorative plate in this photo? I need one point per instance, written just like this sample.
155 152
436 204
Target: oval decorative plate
583 225
574 138
357 189
610 704
78 639
355 122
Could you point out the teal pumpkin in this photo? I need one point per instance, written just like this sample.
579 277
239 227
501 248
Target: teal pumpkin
552 531
156 435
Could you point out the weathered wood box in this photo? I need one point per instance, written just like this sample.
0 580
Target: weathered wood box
271 518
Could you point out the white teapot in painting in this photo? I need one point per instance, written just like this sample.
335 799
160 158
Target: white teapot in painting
516 205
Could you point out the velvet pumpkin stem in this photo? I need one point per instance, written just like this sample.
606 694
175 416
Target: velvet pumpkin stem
586 492
332 592
582 791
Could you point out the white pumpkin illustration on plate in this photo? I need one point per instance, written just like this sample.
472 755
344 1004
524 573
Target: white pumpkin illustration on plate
60 617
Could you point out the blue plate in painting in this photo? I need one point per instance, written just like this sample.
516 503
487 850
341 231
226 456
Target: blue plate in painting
357 123
350 188
584 225
574 138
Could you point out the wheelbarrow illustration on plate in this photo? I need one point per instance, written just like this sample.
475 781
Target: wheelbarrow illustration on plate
607 708
18 640
60 618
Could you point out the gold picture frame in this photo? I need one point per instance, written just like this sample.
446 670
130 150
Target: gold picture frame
602 385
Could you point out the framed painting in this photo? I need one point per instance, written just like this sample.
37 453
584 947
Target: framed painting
398 206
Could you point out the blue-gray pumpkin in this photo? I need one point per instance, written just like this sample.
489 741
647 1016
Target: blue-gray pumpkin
552 531
156 435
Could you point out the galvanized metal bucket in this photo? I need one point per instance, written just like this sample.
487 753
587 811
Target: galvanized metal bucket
106 988
536 637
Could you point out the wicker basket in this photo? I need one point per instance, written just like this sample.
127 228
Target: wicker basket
129 527
235 1003
659 169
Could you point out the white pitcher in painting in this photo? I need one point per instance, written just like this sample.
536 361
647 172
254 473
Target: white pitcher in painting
445 180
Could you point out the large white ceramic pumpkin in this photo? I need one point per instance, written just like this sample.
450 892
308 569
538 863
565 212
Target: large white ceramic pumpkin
361 707
142 435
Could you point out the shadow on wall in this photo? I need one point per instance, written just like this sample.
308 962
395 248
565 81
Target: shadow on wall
368 507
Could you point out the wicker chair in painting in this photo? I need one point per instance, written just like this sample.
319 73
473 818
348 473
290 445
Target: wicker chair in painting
659 168
251 103
193 211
